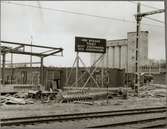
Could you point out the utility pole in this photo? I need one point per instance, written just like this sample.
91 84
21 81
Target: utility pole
0 74
165 5
138 20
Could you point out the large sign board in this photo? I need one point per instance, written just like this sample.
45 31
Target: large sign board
93 45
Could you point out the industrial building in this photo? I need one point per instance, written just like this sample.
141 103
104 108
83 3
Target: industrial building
57 77
121 53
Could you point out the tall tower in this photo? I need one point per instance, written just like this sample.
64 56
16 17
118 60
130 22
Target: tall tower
143 49
122 52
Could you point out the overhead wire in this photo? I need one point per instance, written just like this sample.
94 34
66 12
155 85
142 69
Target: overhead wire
156 20
83 14
148 6
71 12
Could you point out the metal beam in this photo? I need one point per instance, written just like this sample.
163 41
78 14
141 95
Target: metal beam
46 51
24 63
14 43
150 13
16 51
53 53
16 48
22 52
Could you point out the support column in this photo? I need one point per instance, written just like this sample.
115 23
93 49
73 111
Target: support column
31 63
165 5
120 57
77 66
3 68
138 20
102 73
113 57
107 59
0 73
107 71
12 70
42 73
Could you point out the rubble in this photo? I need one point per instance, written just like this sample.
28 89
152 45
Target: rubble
83 102
21 95
13 100
153 90
59 97
118 103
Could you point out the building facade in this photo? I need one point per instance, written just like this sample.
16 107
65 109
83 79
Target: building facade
122 53
60 77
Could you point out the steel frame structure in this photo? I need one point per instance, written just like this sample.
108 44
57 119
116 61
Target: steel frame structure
5 49
78 78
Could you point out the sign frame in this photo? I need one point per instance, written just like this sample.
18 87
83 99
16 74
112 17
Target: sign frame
90 45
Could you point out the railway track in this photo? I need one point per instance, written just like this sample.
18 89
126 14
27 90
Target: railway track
78 116
137 124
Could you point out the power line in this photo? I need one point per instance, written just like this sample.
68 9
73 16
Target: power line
155 20
82 14
71 12
148 6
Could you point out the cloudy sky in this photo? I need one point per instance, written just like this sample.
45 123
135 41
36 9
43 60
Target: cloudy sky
56 23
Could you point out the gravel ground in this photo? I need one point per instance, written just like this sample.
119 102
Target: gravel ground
36 109
81 124
55 108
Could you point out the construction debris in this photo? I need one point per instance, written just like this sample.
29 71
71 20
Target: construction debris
21 95
153 91
59 97
83 102
13 100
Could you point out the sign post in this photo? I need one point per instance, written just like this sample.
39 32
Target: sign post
89 45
